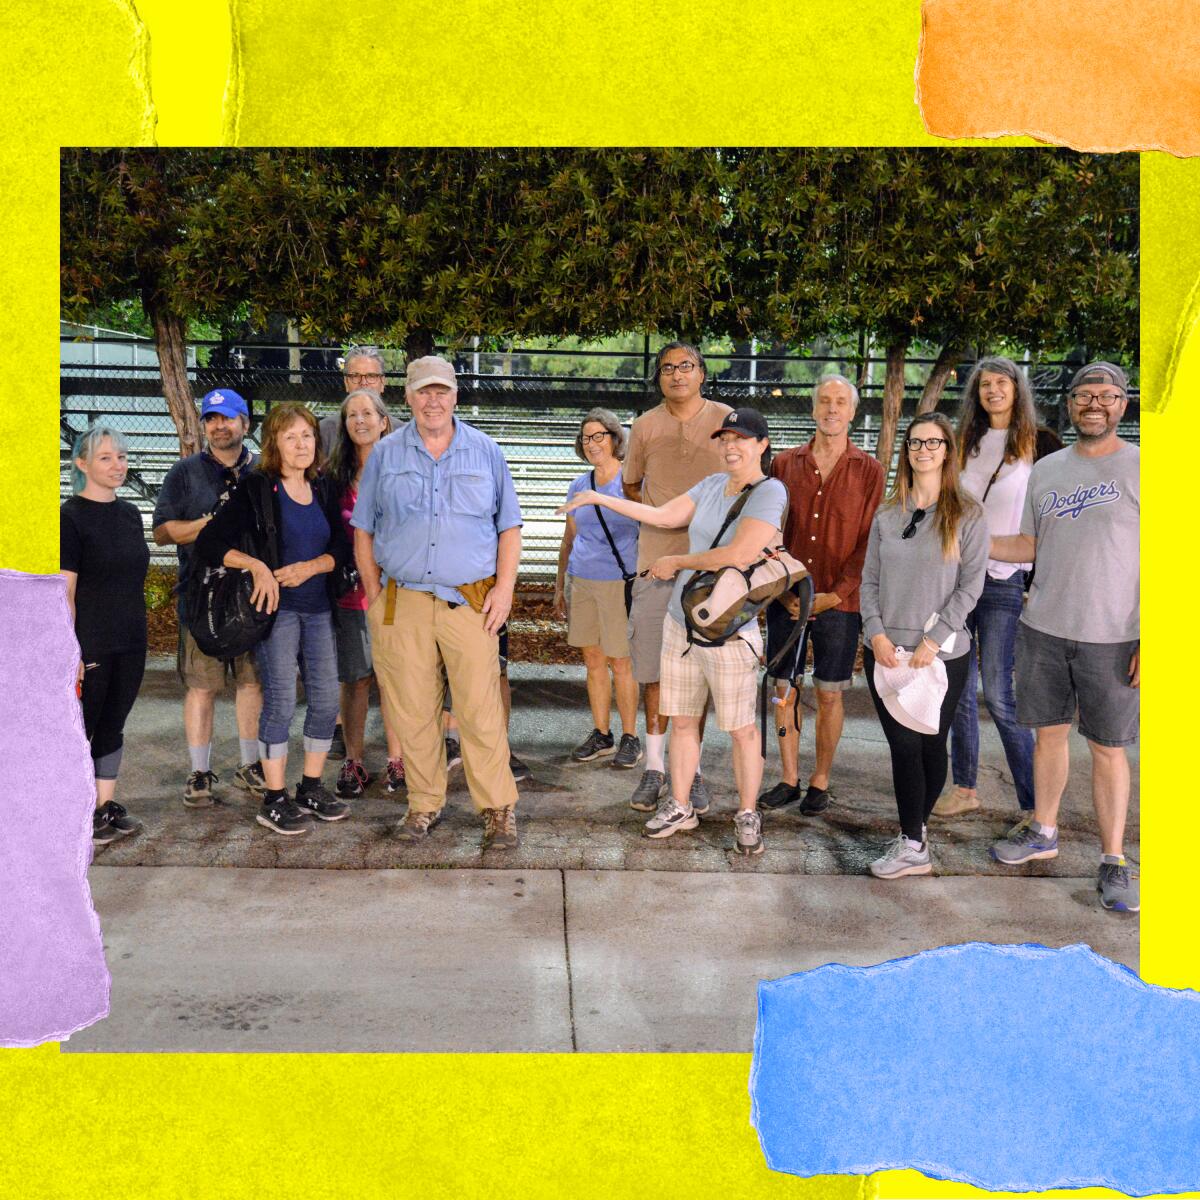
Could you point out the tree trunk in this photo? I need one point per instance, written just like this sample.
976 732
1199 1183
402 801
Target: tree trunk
893 402
169 333
936 383
418 344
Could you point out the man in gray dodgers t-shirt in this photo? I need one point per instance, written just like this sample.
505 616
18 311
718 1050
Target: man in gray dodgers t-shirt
1077 647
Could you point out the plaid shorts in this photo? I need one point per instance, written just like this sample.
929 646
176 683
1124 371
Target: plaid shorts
728 672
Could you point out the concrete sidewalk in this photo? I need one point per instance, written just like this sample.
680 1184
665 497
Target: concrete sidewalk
543 960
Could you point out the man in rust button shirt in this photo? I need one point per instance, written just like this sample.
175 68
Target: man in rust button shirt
833 491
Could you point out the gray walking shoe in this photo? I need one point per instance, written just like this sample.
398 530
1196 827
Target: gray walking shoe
902 858
699 796
629 752
669 819
1118 887
1024 844
649 791
747 830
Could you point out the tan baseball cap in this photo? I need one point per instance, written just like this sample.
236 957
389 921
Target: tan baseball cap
430 369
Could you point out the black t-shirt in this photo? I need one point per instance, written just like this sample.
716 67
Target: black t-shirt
104 545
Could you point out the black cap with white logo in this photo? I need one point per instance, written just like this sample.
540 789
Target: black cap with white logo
746 422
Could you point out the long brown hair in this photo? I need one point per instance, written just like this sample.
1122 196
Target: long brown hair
954 501
973 422
281 417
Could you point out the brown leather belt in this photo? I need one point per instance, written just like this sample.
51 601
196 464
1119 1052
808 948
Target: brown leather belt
389 604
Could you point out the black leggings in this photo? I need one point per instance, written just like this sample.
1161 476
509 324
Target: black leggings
919 762
109 689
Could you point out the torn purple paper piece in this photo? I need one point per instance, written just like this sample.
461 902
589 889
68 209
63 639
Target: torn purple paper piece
53 979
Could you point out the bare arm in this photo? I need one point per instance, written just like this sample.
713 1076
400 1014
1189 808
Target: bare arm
1013 547
179 533
675 514
364 559
499 600
564 553
265 596
746 547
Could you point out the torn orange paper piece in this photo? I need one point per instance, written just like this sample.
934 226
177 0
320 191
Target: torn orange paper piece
1095 75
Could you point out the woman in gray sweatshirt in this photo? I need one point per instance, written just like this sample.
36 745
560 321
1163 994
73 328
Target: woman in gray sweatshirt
926 559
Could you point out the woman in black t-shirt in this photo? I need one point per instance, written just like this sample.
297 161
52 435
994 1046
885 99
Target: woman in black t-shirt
103 556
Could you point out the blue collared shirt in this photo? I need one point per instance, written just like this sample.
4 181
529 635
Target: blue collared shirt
436 522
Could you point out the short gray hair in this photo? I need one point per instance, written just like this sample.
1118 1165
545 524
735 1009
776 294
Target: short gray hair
86 444
363 352
612 423
834 377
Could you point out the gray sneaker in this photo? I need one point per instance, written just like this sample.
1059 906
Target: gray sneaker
1024 844
1118 887
629 752
902 858
699 796
649 791
747 830
669 819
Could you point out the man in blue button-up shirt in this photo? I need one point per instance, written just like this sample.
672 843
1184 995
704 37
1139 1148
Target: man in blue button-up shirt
436 522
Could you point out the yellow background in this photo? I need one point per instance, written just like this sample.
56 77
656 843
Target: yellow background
107 72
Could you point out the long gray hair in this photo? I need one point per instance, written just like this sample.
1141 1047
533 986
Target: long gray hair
86 445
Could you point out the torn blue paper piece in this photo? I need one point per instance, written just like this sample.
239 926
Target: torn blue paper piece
1012 1068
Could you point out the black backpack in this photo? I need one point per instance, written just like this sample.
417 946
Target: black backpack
216 605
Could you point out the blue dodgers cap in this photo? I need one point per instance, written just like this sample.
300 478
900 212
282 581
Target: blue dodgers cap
224 401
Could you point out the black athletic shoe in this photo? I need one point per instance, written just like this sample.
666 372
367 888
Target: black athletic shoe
321 803
120 820
521 773
595 745
337 747
453 754
816 800
283 816
781 795
629 753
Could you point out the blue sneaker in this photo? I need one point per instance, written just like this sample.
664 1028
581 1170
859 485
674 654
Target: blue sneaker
1023 844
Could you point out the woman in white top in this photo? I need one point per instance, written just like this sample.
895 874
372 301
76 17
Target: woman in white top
997 432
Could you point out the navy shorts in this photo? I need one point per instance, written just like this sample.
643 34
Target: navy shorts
834 637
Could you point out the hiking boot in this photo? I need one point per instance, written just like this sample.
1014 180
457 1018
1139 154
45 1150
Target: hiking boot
197 792
780 796
902 857
500 828
395 776
416 825
747 831
669 819
954 803
283 816
1024 844
249 777
1118 887
337 746
816 800
520 772
649 791
453 754
320 803
698 796
629 753
352 780
595 745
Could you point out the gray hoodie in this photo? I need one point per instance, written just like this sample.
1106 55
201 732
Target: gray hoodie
906 580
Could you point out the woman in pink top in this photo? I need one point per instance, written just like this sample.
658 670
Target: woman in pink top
364 420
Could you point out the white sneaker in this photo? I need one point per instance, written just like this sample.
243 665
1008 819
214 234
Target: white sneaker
669 819
747 830
903 857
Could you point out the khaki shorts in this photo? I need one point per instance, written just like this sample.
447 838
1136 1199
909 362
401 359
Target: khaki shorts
646 616
729 673
596 615
197 670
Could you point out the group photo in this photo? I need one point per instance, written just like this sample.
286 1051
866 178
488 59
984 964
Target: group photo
519 591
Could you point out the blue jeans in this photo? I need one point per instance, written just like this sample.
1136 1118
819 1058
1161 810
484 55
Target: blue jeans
306 639
994 626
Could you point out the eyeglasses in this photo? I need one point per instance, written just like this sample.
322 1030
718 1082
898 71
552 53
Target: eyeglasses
911 529
357 377
928 443
684 368
595 437
1104 399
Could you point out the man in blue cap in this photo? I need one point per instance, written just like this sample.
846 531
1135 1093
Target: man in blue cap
193 489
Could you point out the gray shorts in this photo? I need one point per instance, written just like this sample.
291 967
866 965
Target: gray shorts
353 645
1056 677
646 616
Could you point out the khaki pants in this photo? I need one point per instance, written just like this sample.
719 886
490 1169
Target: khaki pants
408 653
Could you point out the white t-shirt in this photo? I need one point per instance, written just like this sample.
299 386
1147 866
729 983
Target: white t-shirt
1006 501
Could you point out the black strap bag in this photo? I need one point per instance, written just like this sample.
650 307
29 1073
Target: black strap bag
627 576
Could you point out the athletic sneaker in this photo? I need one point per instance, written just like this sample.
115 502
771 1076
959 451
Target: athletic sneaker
698 796
595 745
395 776
416 825
901 858
337 747
649 791
110 821
197 792
453 754
1118 887
283 816
816 800
320 803
629 752
781 795
1023 844
747 830
500 828
249 777
669 819
520 772
352 780
120 820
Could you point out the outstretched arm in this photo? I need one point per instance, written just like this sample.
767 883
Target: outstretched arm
675 514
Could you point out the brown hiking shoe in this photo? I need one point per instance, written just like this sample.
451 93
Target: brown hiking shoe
416 825
500 828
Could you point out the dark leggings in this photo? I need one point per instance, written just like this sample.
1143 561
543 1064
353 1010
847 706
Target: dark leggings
919 763
109 689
